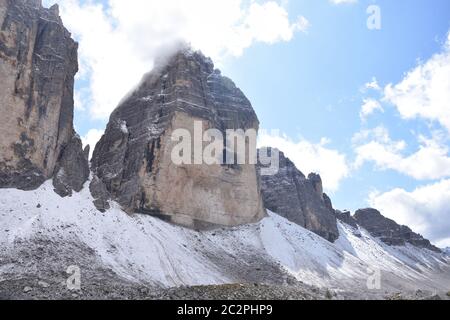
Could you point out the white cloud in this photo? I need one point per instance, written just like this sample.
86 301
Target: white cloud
425 91
269 23
91 138
443 243
426 209
118 44
343 1
373 85
78 101
310 157
369 107
429 162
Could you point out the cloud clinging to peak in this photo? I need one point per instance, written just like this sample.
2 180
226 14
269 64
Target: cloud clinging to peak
118 42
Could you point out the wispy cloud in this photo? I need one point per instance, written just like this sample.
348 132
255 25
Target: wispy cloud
369 107
343 1
372 85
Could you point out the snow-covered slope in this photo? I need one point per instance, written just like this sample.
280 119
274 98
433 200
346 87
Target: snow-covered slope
41 232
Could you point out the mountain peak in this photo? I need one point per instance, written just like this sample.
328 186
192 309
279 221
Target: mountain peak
172 54
389 231
133 159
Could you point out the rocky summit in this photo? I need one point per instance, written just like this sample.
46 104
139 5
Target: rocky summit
300 199
132 162
347 218
389 231
38 62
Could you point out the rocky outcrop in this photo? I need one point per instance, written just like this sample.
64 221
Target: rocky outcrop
72 169
133 158
38 62
346 217
100 194
299 199
389 231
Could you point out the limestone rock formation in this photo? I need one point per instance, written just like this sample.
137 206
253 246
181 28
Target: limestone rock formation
389 231
346 217
100 194
299 199
38 62
133 158
72 169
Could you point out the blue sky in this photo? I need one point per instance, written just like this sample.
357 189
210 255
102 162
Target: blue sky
311 85
305 64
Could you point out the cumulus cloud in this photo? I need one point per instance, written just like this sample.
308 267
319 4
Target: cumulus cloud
91 138
310 157
425 91
426 209
119 42
429 162
369 107
424 94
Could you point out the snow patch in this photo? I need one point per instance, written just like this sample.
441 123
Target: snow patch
123 127
145 249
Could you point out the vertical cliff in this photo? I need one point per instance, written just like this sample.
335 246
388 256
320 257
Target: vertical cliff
132 162
300 199
38 62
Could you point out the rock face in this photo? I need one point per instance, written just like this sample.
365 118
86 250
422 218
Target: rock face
38 62
72 169
346 217
389 231
299 199
133 158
